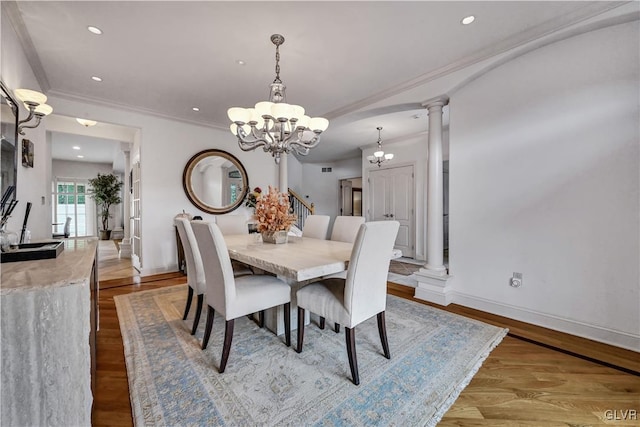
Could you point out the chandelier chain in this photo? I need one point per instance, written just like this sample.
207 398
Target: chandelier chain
277 80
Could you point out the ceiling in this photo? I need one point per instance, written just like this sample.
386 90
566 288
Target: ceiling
339 58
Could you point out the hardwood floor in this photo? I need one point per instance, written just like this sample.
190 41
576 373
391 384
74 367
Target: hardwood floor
520 384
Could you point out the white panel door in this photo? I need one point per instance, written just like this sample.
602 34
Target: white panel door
391 198
401 207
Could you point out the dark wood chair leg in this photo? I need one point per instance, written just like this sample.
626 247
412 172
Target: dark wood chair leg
188 306
207 329
228 336
321 322
196 320
351 352
300 328
336 328
287 323
382 330
261 319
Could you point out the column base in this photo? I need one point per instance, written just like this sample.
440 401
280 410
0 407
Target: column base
125 248
432 286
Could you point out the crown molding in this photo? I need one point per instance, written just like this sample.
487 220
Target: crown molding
102 103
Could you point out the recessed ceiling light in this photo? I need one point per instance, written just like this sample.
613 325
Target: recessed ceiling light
240 62
468 20
96 78
94 30
75 147
195 109
80 156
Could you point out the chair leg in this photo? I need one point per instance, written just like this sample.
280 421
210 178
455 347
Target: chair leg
196 320
287 323
382 330
189 298
336 328
321 322
351 352
207 329
261 319
228 336
300 328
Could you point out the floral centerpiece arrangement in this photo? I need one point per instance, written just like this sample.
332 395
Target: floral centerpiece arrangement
273 217
252 197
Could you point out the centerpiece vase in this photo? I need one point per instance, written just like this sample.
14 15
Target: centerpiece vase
276 237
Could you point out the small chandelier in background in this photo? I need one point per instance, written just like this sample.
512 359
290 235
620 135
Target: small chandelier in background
34 102
379 156
274 125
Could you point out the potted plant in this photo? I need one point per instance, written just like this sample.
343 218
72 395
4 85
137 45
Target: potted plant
105 190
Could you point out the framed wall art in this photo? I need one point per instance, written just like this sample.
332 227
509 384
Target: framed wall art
27 153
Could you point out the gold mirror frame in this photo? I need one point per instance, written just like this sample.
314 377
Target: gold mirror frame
188 184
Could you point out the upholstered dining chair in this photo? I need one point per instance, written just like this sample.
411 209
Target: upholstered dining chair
234 224
345 228
195 269
316 226
66 230
235 297
362 295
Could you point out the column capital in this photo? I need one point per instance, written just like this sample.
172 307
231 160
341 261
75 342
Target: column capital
438 101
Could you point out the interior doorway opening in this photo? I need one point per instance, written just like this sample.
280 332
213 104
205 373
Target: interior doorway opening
350 203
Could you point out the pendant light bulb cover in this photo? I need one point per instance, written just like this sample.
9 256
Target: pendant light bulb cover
31 96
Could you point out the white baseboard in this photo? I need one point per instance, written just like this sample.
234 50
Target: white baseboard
593 332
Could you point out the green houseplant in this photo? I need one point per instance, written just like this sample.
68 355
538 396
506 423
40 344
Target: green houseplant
105 190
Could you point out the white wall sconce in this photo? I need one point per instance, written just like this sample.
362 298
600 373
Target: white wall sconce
86 122
34 102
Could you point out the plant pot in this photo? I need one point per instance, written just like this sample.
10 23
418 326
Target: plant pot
105 234
276 237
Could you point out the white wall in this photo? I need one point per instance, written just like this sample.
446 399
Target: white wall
323 188
33 185
544 179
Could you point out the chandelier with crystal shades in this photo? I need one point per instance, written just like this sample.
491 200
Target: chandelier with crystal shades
379 156
274 125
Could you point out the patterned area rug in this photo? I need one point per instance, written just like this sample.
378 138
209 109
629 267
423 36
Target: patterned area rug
434 355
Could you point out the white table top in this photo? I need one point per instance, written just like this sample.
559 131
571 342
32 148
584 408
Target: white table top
302 258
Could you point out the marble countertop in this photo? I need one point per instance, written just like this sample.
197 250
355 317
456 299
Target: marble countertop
302 258
72 266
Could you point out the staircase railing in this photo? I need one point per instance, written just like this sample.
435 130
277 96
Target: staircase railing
299 208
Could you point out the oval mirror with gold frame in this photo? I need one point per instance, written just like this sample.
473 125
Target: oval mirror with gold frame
215 181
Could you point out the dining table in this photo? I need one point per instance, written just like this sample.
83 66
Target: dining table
298 262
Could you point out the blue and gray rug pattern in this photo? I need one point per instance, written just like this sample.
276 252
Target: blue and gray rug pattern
434 354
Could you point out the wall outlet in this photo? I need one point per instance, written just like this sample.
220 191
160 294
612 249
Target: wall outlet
516 280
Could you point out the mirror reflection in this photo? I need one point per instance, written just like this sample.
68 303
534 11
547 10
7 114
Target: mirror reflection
9 133
215 181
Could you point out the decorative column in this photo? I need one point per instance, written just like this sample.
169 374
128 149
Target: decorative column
125 245
432 278
284 184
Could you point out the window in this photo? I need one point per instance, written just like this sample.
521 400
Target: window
71 200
